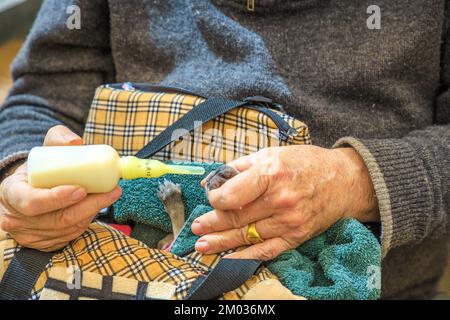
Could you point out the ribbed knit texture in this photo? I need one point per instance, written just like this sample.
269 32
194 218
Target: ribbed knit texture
387 89
406 206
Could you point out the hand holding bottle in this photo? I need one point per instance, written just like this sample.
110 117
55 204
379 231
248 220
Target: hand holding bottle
98 168
48 219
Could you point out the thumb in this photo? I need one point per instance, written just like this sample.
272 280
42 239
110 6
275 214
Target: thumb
62 136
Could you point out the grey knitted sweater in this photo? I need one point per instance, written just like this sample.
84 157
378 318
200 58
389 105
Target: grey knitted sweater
385 92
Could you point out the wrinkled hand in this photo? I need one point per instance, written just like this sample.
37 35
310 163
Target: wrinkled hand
48 219
292 193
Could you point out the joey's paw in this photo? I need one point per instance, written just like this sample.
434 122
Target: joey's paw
169 191
219 176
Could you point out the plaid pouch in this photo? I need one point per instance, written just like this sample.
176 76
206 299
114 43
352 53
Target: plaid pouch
104 263
128 116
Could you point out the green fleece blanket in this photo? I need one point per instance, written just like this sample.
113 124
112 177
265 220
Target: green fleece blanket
342 263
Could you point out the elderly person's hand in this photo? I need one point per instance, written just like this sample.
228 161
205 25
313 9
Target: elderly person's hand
48 219
291 194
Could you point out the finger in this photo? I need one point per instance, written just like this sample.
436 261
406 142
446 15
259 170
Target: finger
36 226
47 245
77 214
268 158
24 227
23 169
32 201
267 250
62 136
219 220
234 238
243 163
59 243
231 196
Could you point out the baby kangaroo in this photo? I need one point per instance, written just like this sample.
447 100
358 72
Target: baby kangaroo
171 196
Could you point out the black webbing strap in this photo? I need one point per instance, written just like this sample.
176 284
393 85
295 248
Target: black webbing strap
227 275
22 273
200 114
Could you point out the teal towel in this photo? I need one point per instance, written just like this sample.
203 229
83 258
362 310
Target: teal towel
139 202
147 234
342 263
185 241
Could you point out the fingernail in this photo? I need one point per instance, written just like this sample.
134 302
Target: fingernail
78 194
71 137
196 227
116 194
202 246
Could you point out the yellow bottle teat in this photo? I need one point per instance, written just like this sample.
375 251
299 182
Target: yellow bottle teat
133 168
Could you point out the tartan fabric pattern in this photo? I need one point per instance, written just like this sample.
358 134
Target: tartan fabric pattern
93 286
128 119
105 253
115 266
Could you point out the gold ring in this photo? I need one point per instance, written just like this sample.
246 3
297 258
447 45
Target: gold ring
252 235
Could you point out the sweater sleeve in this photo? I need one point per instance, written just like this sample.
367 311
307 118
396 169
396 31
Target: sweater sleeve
411 175
55 75
411 180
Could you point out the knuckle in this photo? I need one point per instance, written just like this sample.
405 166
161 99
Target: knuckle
4 189
3 209
57 198
82 225
50 247
278 173
243 236
70 237
228 194
234 220
101 202
290 242
26 242
55 129
284 219
9 224
29 207
221 243
65 219
266 253
308 234
290 221
285 200
5 225
309 191
209 221
262 181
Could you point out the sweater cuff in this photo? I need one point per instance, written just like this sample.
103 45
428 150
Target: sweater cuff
11 160
401 187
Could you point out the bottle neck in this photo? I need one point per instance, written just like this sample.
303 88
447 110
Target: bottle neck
134 168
